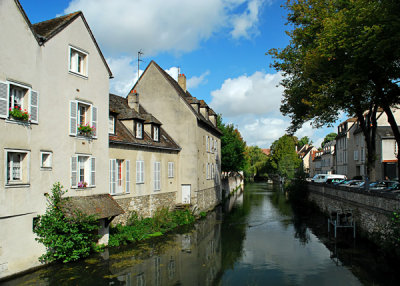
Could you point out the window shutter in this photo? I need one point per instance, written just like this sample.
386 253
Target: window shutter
137 171
3 100
74 171
94 120
113 176
93 171
34 106
73 111
127 177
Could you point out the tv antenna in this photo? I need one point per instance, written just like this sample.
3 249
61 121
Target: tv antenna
139 54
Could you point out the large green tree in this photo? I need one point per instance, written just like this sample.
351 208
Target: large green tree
257 162
328 138
284 159
343 56
232 148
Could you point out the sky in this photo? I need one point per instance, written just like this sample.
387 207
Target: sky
219 45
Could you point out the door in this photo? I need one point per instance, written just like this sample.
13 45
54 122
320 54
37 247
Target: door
185 194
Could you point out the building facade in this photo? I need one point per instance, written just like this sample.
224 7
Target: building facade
193 126
53 78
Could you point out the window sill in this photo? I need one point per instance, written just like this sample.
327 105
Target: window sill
17 185
46 168
19 122
78 74
140 183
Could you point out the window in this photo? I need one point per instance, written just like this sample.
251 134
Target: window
207 170
21 97
83 171
212 171
46 160
119 176
83 114
362 155
139 130
355 155
170 169
157 176
111 124
78 60
156 134
139 172
207 143
395 148
17 167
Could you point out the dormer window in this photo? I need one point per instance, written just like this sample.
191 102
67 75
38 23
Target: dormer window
156 133
111 124
139 130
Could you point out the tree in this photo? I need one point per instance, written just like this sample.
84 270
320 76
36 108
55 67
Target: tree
328 138
232 148
257 162
65 238
343 56
284 159
304 141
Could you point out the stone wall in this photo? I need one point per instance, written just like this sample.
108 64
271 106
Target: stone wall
144 205
208 198
371 209
230 182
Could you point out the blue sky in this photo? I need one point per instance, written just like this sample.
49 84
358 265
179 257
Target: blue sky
219 45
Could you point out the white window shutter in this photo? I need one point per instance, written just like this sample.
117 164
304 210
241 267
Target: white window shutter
34 106
110 175
73 120
3 100
113 176
74 171
93 171
127 177
137 171
94 120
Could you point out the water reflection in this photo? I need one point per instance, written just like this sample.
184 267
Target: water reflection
260 241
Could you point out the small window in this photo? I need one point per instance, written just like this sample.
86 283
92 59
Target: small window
139 130
78 61
156 133
111 124
17 97
17 167
170 169
83 119
46 160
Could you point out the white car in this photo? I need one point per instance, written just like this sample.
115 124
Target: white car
321 178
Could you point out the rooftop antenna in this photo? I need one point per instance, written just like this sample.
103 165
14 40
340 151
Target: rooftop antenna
140 53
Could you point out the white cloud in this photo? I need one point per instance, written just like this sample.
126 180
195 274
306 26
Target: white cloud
159 25
125 74
245 25
195 81
173 72
255 94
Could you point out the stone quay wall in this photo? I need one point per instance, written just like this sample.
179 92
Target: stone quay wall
230 182
371 209
145 205
208 199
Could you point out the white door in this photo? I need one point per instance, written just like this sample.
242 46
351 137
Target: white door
185 194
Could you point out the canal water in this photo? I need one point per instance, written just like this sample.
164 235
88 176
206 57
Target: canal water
254 240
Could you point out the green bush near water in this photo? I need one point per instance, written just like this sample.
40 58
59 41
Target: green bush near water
65 238
139 228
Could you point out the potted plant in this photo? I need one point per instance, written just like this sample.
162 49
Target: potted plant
82 185
85 129
18 114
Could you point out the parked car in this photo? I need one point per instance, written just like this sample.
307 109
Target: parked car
351 183
322 178
334 181
382 185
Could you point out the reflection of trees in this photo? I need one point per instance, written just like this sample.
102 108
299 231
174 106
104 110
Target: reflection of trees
279 201
301 231
233 232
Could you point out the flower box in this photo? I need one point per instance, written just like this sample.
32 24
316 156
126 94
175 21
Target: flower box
86 130
82 185
17 113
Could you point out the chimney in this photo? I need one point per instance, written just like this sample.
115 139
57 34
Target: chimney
133 100
182 81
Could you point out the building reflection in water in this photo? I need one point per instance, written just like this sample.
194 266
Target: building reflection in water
182 259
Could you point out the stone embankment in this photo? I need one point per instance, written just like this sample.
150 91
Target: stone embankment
371 209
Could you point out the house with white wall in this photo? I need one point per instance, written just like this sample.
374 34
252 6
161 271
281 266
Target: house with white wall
54 72
193 126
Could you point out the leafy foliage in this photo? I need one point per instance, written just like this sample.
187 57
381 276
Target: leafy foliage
232 148
304 141
328 138
284 159
65 239
139 228
257 162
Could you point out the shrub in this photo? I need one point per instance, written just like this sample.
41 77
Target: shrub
139 228
65 238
